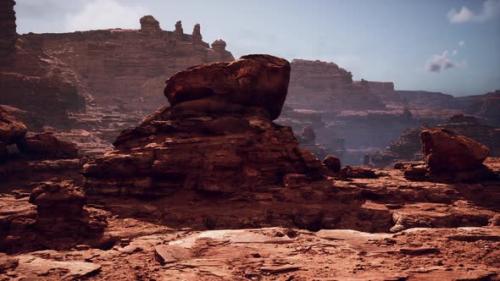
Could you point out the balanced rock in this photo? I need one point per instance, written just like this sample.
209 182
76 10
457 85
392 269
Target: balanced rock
446 151
217 136
252 81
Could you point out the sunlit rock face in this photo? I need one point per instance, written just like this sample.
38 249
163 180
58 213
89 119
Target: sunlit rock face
218 135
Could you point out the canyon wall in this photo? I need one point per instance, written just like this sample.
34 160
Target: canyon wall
32 80
8 33
129 67
325 86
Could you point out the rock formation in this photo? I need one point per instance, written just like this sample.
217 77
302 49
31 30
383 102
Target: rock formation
408 145
325 86
197 38
121 71
8 35
149 24
11 129
179 32
445 151
217 136
32 80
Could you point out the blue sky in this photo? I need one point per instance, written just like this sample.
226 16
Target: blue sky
451 46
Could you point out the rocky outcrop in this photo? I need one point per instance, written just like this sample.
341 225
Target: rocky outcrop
8 35
325 86
252 81
485 106
408 146
445 151
12 130
33 80
47 146
121 70
217 136
60 210
149 24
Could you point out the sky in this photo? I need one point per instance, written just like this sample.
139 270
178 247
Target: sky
451 46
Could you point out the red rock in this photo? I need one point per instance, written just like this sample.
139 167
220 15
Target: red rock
357 172
12 130
8 35
253 80
332 163
221 143
47 146
149 24
446 151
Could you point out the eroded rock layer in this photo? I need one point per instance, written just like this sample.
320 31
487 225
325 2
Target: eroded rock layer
216 137
8 33
129 67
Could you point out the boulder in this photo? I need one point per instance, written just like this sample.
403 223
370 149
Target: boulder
61 213
47 146
332 163
446 151
12 130
252 81
358 172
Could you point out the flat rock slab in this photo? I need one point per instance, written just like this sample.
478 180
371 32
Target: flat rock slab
35 266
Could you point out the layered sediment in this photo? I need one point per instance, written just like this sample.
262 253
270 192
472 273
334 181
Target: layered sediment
216 136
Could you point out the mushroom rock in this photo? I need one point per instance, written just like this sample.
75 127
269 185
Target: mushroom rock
217 136
253 80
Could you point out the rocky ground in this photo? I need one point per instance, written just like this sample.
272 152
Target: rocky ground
386 228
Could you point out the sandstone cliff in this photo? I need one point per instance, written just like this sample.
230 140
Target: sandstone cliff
326 86
129 67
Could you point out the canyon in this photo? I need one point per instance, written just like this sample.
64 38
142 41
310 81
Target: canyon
151 155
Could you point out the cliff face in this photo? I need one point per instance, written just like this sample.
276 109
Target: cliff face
8 33
129 67
33 80
325 86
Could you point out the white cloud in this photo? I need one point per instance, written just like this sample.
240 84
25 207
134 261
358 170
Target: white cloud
102 14
441 62
489 10
461 43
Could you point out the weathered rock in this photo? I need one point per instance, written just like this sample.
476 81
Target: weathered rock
179 32
357 172
8 35
197 38
446 151
12 130
253 80
332 163
47 146
60 211
223 142
149 24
